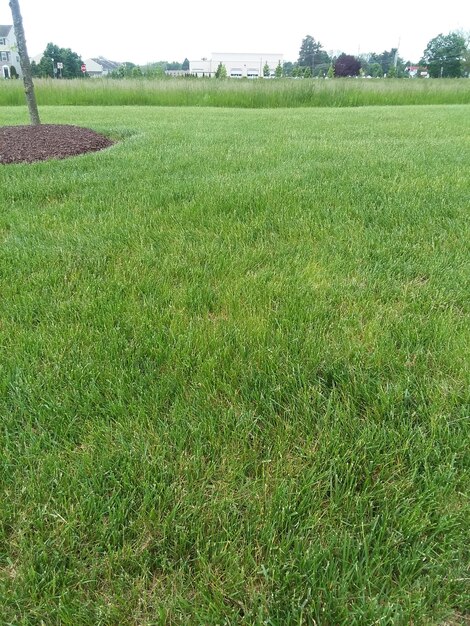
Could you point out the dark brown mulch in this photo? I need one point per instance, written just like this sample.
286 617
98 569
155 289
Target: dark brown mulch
25 144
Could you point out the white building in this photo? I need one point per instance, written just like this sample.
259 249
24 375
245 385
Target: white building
93 68
237 64
8 52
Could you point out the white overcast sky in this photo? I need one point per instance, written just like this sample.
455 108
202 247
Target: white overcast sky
143 30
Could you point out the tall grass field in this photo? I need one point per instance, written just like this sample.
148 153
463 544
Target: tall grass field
347 92
234 373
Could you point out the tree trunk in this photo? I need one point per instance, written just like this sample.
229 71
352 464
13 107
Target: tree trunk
24 62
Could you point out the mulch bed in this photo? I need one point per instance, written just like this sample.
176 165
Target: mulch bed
25 144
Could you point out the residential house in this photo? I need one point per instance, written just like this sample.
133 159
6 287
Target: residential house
417 71
237 64
106 65
93 68
8 52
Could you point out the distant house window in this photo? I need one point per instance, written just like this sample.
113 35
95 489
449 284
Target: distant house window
5 56
3 41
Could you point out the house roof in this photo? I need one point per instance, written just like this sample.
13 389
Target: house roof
93 66
106 64
5 29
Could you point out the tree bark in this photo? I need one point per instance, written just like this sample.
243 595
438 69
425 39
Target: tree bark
24 62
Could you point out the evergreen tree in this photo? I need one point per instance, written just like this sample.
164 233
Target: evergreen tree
266 70
221 71
311 54
287 68
307 52
278 71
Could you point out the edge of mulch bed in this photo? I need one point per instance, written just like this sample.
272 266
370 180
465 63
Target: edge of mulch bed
28 144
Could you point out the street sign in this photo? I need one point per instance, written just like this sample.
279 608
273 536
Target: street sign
83 67
60 66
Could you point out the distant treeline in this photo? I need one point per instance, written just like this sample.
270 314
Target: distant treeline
446 56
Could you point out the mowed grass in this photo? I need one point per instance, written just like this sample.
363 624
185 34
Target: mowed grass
234 376
342 92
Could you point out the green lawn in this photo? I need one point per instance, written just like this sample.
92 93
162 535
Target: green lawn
234 374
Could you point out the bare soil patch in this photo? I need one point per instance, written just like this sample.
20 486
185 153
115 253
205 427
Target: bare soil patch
26 144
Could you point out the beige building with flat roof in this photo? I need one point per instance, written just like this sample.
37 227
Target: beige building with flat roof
237 64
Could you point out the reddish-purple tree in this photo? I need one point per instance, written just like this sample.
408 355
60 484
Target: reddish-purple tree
347 65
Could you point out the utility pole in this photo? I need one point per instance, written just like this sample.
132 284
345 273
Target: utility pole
395 62
24 62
